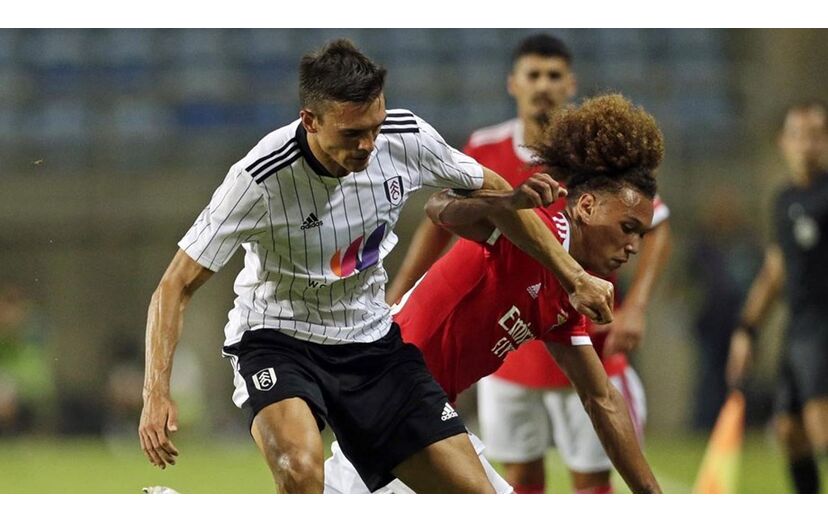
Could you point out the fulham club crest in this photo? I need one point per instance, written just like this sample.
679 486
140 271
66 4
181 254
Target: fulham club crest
265 379
394 190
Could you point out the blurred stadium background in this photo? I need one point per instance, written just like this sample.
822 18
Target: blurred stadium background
111 142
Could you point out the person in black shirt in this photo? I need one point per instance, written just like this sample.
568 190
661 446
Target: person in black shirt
798 262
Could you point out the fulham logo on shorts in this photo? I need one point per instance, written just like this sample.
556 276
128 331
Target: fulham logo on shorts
265 379
394 190
448 413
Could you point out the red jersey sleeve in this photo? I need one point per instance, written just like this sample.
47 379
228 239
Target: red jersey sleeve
574 331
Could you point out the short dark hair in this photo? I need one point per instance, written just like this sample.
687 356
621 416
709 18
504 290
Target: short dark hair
542 44
339 72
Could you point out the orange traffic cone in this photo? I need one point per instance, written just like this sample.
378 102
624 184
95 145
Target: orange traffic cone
719 470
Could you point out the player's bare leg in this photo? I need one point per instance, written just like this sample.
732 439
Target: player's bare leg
528 477
815 415
591 482
449 466
288 437
791 433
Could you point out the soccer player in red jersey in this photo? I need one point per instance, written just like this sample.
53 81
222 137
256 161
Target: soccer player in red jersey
529 403
486 297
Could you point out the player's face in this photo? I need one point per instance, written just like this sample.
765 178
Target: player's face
612 226
346 133
804 142
540 84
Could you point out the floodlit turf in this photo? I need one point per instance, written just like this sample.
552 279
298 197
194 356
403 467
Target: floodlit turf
234 466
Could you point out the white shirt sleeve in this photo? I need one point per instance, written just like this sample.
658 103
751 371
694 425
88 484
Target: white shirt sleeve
660 211
237 213
444 166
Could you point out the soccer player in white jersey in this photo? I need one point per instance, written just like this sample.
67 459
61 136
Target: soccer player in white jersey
310 336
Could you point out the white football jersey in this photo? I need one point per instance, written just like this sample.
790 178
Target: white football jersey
314 244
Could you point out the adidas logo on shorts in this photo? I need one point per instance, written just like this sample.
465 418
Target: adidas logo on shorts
448 413
310 222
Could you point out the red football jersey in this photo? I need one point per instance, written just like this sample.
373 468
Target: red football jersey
501 149
535 368
480 302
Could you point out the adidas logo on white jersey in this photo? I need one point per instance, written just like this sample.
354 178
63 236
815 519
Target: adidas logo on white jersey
533 290
310 222
448 413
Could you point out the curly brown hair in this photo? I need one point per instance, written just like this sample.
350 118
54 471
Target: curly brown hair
604 143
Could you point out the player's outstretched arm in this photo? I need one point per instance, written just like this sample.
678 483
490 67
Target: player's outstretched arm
496 205
426 247
609 414
164 321
591 296
627 330
763 292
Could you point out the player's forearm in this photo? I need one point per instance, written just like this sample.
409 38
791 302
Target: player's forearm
428 244
165 319
758 302
527 231
608 413
763 291
614 427
466 215
655 250
450 209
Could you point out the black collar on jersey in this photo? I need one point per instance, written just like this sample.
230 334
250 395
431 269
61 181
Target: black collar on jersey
302 140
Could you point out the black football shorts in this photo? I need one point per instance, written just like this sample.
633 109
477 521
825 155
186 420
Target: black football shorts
379 398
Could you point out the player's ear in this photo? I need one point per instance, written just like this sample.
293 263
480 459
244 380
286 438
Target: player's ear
573 86
309 120
510 84
585 207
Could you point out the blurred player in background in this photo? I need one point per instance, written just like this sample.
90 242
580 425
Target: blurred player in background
529 403
310 336
796 262
485 297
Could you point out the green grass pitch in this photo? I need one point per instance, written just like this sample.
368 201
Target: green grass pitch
234 466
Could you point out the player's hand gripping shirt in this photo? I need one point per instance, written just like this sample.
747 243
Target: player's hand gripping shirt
501 148
535 368
480 303
314 244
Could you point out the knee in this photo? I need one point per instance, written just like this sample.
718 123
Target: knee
297 471
816 423
480 485
296 468
791 435
591 482
785 431
530 474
